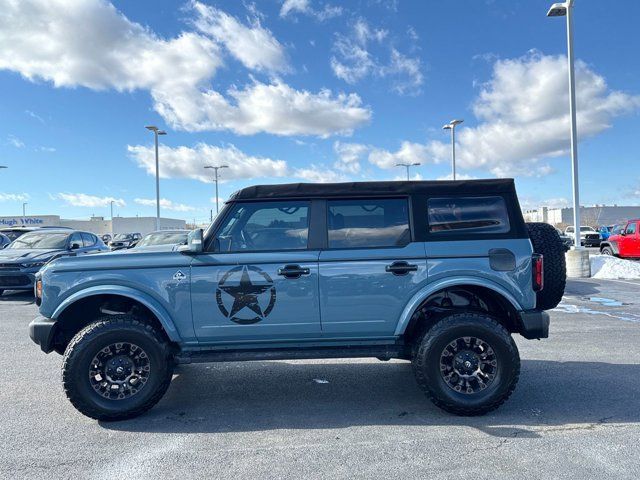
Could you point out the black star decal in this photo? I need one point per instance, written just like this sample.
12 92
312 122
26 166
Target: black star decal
245 294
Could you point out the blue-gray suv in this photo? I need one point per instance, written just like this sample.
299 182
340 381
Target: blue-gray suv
437 273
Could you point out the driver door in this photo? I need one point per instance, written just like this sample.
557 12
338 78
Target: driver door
260 282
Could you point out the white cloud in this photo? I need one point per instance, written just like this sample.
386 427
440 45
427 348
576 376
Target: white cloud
91 44
292 7
349 156
187 162
165 204
354 60
15 141
34 115
318 174
254 46
524 114
459 176
14 197
84 200
409 152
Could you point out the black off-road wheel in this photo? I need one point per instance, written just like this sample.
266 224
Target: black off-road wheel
546 241
116 368
467 364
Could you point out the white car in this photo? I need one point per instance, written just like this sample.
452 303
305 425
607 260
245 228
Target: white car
588 236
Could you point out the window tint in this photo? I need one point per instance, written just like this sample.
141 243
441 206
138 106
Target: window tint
89 240
265 226
631 229
484 215
368 223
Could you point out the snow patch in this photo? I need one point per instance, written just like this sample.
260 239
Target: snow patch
608 267
319 380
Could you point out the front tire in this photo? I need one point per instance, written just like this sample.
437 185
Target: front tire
116 368
607 251
467 364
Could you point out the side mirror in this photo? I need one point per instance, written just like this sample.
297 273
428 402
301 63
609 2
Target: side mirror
194 242
75 246
622 233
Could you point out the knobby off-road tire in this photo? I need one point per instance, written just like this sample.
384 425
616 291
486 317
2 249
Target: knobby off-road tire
607 251
116 339
546 241
480 331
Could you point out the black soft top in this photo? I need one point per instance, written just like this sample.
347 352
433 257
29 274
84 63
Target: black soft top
359 189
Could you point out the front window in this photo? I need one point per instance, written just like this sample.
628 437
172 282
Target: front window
163 238
123 236
41 241
587 229
368 223
631 229
462 215
263 226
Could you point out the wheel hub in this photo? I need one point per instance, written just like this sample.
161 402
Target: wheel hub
468 365
119 371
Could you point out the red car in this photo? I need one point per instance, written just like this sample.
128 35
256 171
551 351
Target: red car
625 244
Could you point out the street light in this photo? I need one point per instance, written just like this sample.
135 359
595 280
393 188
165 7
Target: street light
157 132
407 166
215 170
24 213
452 126
562 10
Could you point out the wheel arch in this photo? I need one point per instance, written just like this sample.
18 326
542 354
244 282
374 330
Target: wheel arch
486 287
116 297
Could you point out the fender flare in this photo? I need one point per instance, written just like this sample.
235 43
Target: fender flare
613 245
148 301
423 293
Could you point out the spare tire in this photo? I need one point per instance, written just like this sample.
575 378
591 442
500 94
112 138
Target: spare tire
546 241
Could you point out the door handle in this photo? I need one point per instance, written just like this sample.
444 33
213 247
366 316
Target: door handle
400 268
293 271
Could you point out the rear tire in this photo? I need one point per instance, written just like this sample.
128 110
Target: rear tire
546 241
440 369
116 368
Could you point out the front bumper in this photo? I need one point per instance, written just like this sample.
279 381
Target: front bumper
42 331
591 242
534 324
16 280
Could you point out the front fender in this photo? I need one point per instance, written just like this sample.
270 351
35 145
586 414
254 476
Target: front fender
424 293
158 310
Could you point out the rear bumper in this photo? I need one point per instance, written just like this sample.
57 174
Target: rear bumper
534 324
42 331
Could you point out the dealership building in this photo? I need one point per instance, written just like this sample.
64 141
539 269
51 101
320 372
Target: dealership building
592 216
97 225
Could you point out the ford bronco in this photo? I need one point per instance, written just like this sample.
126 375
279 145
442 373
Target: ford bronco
438 273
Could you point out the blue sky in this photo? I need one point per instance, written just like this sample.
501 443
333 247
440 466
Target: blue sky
307 90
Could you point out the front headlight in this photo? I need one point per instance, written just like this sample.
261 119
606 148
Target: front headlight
32 265
37 290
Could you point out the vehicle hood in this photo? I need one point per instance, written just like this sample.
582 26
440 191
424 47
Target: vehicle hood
153 248
19 255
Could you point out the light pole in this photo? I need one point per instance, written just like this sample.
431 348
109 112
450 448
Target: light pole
452 126
407 166
215 170
111 203
24 213
561 10
157 132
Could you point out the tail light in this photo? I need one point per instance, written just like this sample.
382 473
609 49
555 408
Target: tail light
537 271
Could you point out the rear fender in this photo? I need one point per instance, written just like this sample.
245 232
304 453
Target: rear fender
430 289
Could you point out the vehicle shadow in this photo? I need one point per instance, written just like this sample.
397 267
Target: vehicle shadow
581 288
257 396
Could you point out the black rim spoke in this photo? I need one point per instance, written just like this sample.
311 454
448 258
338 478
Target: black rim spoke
119 371
468 365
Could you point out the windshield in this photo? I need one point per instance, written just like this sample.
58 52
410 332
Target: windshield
163 238
587 229
41 240
123 236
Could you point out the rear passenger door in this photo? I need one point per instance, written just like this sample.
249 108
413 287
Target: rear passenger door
370 268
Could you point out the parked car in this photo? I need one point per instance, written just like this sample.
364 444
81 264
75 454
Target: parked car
162 239
26 255
567 241
4 241
588 236
626 243
438 273
124 240
15 232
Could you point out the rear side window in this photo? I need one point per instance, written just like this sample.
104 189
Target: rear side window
368 223
461 215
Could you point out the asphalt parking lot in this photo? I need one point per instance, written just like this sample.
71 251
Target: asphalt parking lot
575 413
